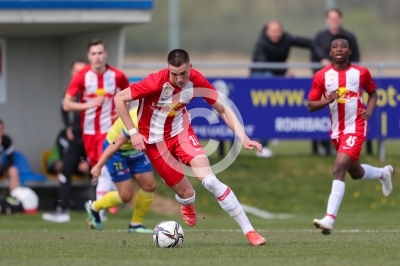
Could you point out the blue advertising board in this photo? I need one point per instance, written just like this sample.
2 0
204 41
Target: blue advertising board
277 108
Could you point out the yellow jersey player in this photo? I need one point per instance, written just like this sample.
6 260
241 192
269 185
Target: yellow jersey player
124 163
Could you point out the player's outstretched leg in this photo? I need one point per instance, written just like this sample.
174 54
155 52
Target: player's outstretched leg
93 216
386 180
142 205
229 203
384 175
187 210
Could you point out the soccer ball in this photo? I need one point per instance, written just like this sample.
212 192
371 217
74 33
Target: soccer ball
168 234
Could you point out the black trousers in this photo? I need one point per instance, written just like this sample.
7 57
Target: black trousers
71 159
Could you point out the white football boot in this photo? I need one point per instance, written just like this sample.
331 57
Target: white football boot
387 180
325 224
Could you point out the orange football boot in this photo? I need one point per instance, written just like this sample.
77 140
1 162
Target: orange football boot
255 238
189 214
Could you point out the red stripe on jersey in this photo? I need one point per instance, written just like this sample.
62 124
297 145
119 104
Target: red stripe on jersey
342 115
100 84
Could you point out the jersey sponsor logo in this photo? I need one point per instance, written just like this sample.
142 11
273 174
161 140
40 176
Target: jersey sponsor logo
167 91
353 80
346 95
100 92
169 109
186 95
346 148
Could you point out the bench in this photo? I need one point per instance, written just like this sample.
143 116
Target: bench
45 184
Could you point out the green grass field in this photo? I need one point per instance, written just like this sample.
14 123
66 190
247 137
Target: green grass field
367 231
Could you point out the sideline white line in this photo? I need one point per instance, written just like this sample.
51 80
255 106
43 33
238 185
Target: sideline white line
264 214
217 230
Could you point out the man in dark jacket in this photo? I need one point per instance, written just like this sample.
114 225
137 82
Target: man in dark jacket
273 45
333 19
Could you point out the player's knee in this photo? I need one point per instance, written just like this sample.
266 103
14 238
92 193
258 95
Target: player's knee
126 196
356 175
149 187
339 170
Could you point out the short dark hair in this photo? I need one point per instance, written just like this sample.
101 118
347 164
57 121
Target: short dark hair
78 60
337 10
1 122
94 42
341 36
178 57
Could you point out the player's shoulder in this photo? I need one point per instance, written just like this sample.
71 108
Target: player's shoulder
322 71
118 71
196 75
81 73
358 67
195 72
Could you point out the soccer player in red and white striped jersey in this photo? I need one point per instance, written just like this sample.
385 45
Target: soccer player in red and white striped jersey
168 138
97 85
341 85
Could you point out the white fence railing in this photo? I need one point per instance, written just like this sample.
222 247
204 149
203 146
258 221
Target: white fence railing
380 66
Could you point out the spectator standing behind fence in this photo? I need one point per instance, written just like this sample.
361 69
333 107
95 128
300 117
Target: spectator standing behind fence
333 20
273 46
7 167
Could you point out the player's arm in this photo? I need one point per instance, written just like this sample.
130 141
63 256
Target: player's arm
233 123
121 99
370 88
106 155
70 105
74 87
316 102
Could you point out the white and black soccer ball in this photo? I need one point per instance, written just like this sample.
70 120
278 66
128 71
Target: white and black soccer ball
168 234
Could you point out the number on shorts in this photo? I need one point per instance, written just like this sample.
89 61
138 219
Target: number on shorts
118 166
193 139
351 141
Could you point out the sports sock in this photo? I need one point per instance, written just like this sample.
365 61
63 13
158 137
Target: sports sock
372 172
111 199
228 201
104 185
335 198
142 205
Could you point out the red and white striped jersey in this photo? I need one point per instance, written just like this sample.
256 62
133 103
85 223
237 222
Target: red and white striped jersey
97 120
344 112
162 112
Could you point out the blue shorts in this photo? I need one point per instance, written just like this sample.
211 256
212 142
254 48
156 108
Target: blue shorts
125 163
